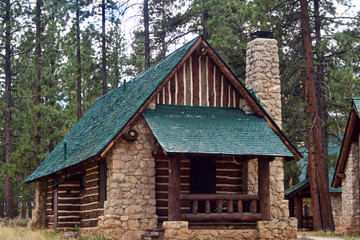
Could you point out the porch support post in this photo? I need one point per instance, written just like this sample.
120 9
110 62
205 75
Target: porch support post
174 206
299 211
264 187
291 207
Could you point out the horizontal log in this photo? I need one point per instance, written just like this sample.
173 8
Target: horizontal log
165 172
69 207
184 204
68 224
90 191
229 173
90 199
92 223
90 206
218 197
166 179
230 189
221 217
164 188
224 180
90 215
91 184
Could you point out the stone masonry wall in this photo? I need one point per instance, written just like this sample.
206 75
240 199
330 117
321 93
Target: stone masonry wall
130 207
349 222
38 220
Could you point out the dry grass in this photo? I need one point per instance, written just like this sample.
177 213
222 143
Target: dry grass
23 233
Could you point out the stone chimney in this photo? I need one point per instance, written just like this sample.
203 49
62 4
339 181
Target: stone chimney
262 73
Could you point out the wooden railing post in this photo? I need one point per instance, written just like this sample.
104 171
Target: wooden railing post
264 187
174 204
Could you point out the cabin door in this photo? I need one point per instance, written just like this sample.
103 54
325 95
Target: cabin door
203 178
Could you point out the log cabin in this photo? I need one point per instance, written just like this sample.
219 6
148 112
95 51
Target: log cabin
299 197
184 150
347 175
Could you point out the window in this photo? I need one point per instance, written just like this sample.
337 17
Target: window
102 181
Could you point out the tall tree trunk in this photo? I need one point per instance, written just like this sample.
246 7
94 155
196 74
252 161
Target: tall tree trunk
147 34
103 50
11 211
78 44
320 78
314 130
38 61
2 209
29 209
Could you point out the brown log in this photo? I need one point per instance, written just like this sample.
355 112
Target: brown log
203 82
299 214
55 208
253 206
87 224
188 83
221 216
214 197
207 206
264 187
196 75
230 207
218 87
291 207
159 153
172 91
180 78
239 206
226 93
195 207
167 96
174 188
219 206
211 82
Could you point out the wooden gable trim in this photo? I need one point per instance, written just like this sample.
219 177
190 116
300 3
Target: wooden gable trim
256 107
152 96
345 148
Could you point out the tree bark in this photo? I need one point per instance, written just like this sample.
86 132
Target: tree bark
103 49
78 53
11 211
320 79
314 129
38 61
147 34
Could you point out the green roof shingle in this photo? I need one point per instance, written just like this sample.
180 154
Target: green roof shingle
107 116
213 130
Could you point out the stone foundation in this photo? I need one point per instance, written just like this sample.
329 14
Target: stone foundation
348 226
275 229
285 228
180 230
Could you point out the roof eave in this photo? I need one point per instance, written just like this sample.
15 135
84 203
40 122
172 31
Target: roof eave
345 147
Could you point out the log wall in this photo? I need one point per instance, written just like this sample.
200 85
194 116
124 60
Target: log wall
78 199
199 82
228 180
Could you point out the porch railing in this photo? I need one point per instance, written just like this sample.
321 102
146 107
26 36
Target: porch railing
220 207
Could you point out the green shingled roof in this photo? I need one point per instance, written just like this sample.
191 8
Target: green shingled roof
307 181
107 116
213 130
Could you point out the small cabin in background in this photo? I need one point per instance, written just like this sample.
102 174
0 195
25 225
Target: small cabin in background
183 151
347 175
299 197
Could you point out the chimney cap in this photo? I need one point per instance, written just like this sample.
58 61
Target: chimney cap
261 34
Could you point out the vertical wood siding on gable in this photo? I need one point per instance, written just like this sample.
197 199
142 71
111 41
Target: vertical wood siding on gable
199 82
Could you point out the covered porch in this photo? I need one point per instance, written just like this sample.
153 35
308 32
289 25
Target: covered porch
202 155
